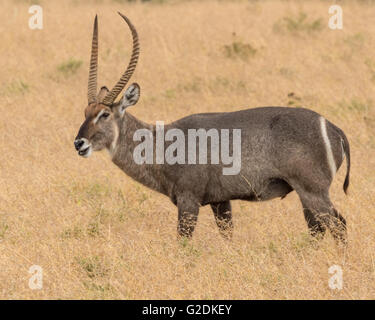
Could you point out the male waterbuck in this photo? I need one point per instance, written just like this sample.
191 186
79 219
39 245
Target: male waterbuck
282 149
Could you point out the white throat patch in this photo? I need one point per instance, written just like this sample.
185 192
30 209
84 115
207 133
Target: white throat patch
112 148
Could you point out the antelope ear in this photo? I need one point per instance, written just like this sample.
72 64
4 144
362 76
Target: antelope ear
130 98
102 93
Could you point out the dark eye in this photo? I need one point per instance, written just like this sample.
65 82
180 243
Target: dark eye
105 115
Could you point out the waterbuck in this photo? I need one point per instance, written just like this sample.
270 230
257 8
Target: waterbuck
282 149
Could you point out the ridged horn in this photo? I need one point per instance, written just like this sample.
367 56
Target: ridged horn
112 95
93 73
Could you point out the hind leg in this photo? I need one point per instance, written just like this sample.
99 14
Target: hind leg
320 214
339 232
223 217
316 228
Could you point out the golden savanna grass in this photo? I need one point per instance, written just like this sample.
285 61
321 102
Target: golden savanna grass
96 233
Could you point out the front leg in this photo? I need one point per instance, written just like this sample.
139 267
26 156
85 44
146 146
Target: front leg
188 209
223 218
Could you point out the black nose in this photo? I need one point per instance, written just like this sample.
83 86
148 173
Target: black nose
78 144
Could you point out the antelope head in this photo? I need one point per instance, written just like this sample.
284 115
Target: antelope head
100 129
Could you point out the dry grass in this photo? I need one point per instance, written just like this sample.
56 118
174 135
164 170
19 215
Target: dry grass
98 234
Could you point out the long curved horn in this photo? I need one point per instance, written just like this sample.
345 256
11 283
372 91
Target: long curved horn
112 95
93 74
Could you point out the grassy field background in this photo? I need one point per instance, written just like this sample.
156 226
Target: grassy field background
96 233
